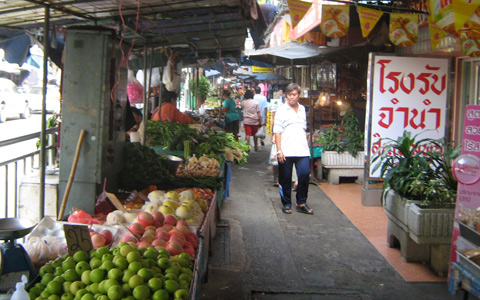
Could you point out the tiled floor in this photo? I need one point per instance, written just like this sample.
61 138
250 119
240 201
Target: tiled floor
372 222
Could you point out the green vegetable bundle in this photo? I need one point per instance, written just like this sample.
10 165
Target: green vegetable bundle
173 136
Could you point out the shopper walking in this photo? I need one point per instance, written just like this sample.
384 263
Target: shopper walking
252 118
232 118
292 149
263 104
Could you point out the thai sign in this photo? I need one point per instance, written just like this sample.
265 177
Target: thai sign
466 170
406 93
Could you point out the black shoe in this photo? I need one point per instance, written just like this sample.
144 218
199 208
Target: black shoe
262 143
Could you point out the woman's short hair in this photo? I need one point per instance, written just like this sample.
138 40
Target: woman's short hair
248 94
293 87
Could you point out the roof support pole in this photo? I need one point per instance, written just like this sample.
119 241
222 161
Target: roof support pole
145 92
46 47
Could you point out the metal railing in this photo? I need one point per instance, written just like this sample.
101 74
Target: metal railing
13 169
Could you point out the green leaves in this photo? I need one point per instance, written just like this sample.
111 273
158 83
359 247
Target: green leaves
418 169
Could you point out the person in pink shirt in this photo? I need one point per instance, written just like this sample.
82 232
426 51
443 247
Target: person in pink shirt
252 119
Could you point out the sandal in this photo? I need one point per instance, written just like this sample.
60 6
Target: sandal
287 209
305 209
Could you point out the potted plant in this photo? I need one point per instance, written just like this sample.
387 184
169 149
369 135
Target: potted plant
419 196
342 147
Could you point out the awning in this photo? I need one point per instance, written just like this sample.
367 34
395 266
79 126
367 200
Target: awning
284 54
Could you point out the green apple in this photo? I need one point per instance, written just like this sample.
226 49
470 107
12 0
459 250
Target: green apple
76 286
82 266
182 294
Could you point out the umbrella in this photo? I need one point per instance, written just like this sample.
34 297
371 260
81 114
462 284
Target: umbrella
269 76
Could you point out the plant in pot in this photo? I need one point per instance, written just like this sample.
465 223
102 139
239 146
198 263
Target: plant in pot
334 142
419 196
346 137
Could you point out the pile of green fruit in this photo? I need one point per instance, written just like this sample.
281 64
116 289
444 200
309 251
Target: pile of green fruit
126 272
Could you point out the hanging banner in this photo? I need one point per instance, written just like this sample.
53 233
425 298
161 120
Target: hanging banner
368 19
470 35
443 15
436 33
407 93
403 29
463 10
297 10
335 20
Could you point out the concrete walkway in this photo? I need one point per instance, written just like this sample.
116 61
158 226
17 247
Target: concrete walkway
261 253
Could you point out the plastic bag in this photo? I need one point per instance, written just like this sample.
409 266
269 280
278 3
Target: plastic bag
261 133
134 89
171 78
273 156
20 293
43 249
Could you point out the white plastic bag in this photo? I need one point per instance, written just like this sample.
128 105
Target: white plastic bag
261 133
273 156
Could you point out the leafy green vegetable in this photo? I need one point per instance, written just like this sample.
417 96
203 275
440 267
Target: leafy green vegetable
142 164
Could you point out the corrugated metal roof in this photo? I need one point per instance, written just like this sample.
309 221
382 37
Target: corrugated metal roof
192 28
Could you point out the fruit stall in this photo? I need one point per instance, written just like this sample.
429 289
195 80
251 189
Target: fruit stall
151 238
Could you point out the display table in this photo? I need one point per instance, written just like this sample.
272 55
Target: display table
461 278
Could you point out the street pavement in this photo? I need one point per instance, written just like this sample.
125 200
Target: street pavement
261 253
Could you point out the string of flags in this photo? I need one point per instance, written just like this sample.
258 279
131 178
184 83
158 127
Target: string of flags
460 18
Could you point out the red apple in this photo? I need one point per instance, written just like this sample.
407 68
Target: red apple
174 248
159 217
163 235
98 241
145 218
159 242
107 234
128 238
170 219
137 228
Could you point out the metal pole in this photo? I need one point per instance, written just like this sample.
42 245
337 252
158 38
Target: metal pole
145 96
46 46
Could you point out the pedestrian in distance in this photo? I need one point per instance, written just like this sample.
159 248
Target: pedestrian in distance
232 118
252 119
292 149
263 104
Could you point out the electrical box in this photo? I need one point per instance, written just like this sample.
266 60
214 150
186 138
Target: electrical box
94 98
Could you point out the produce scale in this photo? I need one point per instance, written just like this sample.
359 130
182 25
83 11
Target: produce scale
14 260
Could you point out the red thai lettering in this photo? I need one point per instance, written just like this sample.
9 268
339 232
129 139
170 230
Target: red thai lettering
393 76
382 63
424 77
421 124
383 116
405 115
443 83
438 114
412 84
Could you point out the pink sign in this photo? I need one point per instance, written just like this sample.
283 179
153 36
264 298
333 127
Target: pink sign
468 194
466 169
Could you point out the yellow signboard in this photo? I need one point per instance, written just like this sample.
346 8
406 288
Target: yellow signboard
463 10
256 69
297 10
335 20
436 33
368 19
403 30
